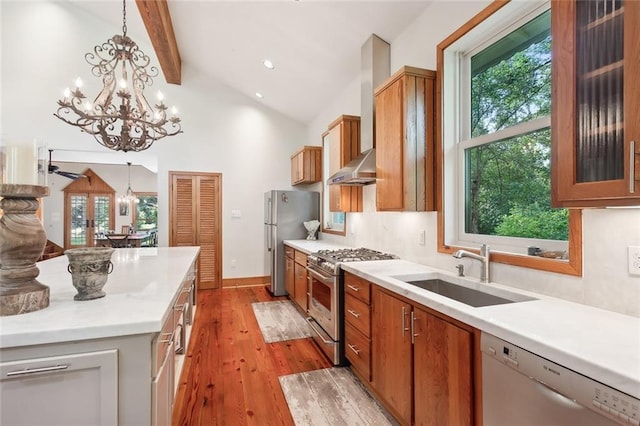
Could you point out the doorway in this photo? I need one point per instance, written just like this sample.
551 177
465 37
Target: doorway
195 204
88 209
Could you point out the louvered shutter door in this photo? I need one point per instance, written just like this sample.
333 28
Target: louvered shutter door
183 232
208 230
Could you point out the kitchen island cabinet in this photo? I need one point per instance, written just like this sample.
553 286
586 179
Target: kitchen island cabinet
117 351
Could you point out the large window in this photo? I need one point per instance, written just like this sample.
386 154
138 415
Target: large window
496 118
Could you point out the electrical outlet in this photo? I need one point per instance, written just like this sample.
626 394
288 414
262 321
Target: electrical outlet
634 260
421 237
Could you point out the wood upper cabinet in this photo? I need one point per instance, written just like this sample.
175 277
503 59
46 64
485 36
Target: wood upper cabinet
306 165
405 135
344 146
595 121
422 357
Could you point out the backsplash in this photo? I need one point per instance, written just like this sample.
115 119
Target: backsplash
606 282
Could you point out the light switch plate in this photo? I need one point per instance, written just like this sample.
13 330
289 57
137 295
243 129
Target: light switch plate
634 260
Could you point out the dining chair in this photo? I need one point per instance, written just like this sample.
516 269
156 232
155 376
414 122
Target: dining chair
124 229
122 242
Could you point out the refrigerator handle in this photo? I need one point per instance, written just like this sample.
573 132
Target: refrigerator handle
269 230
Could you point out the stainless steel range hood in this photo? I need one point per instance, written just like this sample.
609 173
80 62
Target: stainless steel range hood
375 65
360 171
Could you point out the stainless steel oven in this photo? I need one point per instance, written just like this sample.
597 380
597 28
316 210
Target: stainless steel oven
326 296
325 311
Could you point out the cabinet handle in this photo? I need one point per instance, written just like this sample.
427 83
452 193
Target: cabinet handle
166 340
354 313
354 349
632 166
353 288
37 370
404 314
413 328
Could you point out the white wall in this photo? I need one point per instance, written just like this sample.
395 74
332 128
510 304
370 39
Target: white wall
606 282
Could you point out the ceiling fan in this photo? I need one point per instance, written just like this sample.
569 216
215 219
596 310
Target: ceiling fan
55 169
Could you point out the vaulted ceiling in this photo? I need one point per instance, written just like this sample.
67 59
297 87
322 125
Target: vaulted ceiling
314 45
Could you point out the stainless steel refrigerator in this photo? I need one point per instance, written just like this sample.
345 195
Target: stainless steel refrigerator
284 214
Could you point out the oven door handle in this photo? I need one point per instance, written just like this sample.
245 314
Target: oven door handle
311 320
327 280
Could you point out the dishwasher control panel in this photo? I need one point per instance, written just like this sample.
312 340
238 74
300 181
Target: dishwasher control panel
620 407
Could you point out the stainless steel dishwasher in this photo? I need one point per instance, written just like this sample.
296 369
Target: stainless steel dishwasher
522 388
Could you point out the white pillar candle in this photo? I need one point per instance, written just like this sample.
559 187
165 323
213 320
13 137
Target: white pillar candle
20 164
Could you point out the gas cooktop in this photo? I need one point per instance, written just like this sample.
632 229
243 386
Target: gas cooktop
329 260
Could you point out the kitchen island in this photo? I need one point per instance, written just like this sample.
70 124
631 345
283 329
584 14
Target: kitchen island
104 361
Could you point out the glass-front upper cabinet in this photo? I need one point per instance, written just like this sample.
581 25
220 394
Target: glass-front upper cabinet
596 103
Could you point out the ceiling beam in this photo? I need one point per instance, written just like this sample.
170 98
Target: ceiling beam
157 20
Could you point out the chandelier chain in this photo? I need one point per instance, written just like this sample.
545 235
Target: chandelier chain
124 18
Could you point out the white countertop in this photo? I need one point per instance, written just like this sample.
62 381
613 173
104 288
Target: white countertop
597 343
140 291
311 246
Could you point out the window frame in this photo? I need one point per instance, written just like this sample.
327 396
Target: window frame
445 197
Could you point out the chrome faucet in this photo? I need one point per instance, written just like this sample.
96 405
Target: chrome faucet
483 257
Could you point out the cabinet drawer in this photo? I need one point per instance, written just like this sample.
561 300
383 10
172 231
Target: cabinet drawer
301 258
357 287
358 314
288 251
358 351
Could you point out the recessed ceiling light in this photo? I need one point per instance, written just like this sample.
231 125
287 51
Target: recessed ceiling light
260 95
267 63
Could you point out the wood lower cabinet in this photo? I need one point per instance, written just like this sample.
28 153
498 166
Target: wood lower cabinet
422 363
295 278
306 165
289 272
405 141
357 312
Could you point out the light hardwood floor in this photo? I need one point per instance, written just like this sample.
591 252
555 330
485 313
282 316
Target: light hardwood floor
230 376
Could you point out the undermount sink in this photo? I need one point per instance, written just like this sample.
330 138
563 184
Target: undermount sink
466 295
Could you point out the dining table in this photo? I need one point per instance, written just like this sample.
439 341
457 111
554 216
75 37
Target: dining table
137 239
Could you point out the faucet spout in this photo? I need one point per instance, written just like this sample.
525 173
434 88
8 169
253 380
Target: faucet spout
483 257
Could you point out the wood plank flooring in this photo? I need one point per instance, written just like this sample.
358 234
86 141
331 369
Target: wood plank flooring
230 375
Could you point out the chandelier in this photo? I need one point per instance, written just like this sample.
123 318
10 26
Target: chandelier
133 125
128 196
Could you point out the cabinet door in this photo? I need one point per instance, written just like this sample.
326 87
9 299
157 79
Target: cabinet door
344 146
442 372
595 120
391 370
405 141
289 277
79 389
300 291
